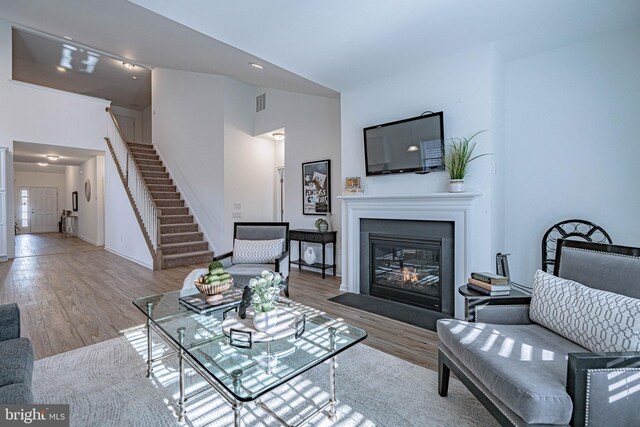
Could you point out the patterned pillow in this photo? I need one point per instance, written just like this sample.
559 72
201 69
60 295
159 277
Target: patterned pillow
598 320
256 251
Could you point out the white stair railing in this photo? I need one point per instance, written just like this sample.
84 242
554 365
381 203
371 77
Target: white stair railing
144 206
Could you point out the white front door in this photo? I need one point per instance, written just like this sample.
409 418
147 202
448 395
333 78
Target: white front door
44 209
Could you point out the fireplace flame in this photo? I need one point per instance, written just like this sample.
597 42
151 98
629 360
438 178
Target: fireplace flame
409 275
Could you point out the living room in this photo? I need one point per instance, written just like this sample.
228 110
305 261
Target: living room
553 87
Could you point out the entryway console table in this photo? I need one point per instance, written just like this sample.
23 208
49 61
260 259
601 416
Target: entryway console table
314 236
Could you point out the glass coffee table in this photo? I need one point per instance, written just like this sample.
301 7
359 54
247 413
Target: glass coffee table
242 370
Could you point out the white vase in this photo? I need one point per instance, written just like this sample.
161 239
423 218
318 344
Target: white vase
265 321
456 186
309 256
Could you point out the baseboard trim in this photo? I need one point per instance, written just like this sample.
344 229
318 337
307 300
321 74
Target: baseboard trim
150 267
89 241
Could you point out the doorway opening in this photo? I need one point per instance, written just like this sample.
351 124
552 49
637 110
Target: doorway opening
53 211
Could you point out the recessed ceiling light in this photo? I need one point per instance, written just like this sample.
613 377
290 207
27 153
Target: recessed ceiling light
61 69
43 164
134 77
278 136
52 157
67 37
128 66
254 65
413 148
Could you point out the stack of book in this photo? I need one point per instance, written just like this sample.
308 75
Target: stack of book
489 284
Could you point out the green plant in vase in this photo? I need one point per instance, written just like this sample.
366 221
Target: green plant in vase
265 290
457 158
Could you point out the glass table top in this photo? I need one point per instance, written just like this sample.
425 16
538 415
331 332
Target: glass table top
247 373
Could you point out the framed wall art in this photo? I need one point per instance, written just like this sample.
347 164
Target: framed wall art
316 187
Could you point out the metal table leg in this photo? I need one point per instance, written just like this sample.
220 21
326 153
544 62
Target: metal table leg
181 410
333 365
149 343
237 406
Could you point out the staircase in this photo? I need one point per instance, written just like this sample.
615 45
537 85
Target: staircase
180 240
170 231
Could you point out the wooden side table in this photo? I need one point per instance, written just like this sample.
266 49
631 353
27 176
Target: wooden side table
314 236
473 300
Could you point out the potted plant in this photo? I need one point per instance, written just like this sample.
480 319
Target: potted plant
265 290
322 224
457 159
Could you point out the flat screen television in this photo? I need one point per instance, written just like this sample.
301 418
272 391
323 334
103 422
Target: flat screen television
410 145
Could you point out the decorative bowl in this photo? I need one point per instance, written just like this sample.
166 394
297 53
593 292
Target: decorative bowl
212 289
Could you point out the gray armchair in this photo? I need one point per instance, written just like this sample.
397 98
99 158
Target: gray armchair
16 359
527 374
254 231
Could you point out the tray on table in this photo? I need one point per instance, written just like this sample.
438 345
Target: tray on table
241 331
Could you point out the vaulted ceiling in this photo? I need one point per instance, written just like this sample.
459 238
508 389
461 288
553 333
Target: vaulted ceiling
318 47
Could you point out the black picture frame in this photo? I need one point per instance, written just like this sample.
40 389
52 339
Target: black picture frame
316 187
74 201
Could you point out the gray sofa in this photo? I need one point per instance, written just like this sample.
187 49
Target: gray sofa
16 359
525 373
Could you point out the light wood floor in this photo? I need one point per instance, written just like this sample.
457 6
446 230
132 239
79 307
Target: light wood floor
49 244
77 297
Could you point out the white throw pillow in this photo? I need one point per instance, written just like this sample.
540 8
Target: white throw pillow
598 320
256 251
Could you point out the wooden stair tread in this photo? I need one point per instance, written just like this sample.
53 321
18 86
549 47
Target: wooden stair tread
180 244
188 255
181 233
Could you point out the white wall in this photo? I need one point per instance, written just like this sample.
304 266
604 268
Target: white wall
249 162
35 114
90 213
203 128
278 150
572 126
463 86
38 179
312 126
188 131
135 115
146 125
121 224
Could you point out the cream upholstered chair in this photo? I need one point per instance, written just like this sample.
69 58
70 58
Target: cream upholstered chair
258 246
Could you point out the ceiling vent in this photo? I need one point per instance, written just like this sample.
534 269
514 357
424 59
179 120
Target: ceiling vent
261 102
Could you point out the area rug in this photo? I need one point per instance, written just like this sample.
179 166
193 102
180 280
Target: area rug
105 385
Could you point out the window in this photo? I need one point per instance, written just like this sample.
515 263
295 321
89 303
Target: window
24 208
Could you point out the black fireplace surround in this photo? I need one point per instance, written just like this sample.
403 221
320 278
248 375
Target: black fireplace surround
408 261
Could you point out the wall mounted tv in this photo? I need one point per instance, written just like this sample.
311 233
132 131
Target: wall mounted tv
410 145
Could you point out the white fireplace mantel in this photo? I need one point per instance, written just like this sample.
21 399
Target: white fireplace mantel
454 207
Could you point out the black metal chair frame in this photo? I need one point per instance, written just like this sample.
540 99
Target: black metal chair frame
284 255
566 230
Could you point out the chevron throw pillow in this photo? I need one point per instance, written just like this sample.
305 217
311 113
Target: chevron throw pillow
256 251
598 320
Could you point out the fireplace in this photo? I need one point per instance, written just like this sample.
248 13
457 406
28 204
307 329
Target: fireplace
406 270
408 261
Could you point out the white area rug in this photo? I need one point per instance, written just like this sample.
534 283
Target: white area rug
105 385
